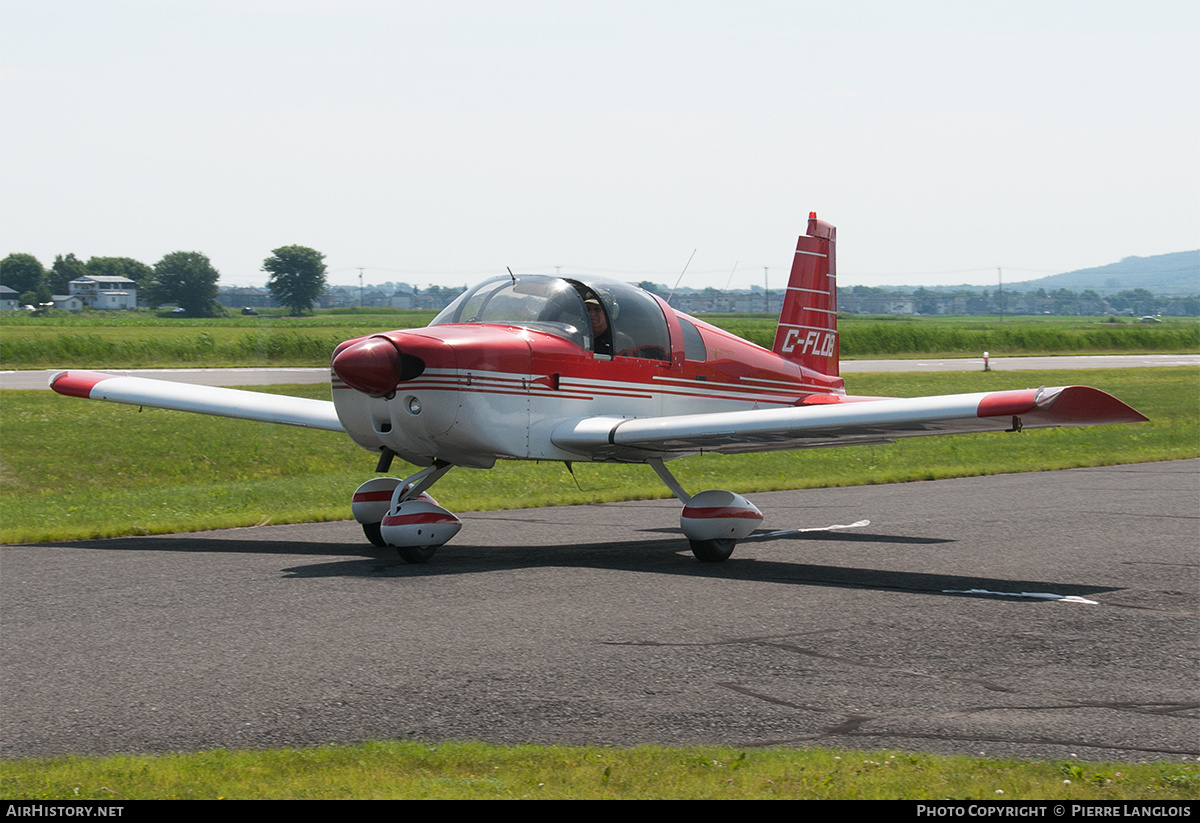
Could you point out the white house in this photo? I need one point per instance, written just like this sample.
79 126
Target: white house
8 298
70 302
103 292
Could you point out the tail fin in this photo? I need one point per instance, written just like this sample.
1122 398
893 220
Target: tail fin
807 332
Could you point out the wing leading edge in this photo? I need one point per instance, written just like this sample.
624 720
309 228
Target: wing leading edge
848 421
163 394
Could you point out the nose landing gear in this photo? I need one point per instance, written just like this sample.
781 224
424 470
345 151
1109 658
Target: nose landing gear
399 513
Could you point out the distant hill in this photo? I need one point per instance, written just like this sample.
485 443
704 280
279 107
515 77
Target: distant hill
1175 275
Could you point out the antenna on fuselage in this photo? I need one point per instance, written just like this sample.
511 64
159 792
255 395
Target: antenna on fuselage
510 274
730 280
685 268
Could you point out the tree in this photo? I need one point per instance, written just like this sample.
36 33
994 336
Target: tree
297 277
187 279
21 273
925 301
64 270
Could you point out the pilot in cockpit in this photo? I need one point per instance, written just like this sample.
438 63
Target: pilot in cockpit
602 339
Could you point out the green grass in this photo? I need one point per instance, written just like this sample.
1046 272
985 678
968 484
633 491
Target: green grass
410 770
142 340
78 469
870 336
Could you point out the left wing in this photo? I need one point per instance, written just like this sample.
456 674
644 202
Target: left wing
163 394
838 420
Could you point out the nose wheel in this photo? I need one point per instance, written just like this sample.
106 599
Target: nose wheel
416 554
399 513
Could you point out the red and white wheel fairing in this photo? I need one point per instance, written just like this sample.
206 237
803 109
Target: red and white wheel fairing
373 499
419 523
719 515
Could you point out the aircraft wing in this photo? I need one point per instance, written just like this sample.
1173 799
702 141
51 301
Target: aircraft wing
164 394
832 420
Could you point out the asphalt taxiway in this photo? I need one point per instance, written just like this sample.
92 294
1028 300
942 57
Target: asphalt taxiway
1038 615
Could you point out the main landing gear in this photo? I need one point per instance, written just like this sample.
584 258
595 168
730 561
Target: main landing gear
399 513
713 521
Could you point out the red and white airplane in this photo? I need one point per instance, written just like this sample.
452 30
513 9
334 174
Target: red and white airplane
525 367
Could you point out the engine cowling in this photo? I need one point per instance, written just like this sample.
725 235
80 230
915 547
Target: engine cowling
374 365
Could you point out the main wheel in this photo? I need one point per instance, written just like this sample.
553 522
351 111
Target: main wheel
713 551
417 554
371 530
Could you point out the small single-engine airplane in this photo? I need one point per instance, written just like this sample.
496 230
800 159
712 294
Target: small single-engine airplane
573 369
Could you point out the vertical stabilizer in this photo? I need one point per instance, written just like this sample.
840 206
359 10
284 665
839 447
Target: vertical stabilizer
807 332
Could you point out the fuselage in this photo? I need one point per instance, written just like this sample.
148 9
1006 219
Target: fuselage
514 359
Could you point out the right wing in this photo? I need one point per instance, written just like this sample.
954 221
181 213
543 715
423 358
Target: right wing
839 420
164 394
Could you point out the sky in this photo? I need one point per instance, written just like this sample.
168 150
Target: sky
438 143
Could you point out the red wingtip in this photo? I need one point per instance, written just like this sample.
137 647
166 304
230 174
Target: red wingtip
77 383
1065 406
1085 406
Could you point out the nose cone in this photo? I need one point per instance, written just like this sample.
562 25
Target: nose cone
372 366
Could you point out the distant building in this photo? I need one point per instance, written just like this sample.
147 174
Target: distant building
70 302
9 299
104 292
237 297
402 300
339 297
876 304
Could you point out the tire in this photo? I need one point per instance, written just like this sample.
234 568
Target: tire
417 554
371 530
713 551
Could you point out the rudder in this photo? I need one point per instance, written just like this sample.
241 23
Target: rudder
807 332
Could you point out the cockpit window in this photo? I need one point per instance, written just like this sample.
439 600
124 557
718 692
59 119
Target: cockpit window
693 343
546 304
639 328
635 324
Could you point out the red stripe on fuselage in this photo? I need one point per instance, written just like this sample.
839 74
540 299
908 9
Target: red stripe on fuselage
508 360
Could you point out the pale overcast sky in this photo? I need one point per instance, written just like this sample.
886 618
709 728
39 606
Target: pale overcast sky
439 142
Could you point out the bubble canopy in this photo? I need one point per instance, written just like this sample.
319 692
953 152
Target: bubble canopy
556 305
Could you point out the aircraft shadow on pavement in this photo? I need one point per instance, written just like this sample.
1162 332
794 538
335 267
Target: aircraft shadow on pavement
667 555
245 541
671 556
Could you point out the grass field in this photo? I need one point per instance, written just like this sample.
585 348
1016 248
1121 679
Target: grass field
478 771
75 469
140 339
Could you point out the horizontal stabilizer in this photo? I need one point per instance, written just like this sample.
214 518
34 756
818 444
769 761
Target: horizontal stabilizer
164 394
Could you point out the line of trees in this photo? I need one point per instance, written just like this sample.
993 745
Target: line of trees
184 278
